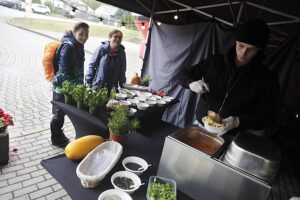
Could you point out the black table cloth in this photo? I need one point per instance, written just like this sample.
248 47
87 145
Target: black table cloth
64 170
85 123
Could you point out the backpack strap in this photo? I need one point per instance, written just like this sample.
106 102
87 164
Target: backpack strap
57 55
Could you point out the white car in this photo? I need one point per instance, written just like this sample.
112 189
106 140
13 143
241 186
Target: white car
40 8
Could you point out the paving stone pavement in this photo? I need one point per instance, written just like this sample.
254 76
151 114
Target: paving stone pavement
26 96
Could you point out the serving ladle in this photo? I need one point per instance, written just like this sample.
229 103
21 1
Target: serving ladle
214 116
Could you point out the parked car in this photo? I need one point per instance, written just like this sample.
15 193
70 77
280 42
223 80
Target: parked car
40 8
10 3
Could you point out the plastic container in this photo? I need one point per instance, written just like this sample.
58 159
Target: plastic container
157 179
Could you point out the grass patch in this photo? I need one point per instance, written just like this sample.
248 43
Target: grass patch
59 26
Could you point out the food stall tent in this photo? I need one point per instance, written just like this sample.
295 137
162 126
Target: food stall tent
207 27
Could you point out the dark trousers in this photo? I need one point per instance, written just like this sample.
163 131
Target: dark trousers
58 117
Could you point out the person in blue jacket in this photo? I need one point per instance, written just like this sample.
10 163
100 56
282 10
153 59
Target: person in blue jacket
71 68
107 67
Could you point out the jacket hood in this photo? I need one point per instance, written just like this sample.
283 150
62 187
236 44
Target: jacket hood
70 37
106 46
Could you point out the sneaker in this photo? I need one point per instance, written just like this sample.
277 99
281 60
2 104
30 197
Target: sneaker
60 141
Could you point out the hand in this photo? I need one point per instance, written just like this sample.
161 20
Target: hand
230 123
199 87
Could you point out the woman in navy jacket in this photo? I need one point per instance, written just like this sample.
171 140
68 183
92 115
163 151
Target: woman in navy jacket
108 64
71 68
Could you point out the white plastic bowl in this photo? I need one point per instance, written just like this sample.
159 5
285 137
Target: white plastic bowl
136 181
125 103
133 101
151 103
120 96
167 99
123 90
136 160
136 92
143 99
114 192
132 111
142 106
212 129
146 94
161 103
156 96
151 98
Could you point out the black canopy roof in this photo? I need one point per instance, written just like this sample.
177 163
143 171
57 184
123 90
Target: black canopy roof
282 16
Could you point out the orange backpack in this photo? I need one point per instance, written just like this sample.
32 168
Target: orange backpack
51 58
48 60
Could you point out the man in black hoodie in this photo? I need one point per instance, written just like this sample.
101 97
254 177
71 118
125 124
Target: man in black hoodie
237 85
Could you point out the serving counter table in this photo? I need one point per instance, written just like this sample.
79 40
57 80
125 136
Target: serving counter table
64 170
85 123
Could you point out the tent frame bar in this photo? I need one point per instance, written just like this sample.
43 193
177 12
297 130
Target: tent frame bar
272 11
199 7
139 2
230 3
201 12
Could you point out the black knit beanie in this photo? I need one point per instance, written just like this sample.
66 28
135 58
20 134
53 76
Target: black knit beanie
254 32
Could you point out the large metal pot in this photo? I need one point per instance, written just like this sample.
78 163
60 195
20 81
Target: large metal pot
257 156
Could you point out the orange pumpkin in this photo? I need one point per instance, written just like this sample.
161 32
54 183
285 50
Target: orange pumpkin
135 80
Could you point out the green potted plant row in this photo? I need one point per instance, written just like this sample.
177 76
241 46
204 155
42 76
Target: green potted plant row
67 89
78 95
120 125
95 99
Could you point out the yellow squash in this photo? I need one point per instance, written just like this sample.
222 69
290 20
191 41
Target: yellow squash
80 147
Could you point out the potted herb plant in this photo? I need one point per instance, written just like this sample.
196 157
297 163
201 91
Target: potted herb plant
78 95
120 125
67 89
146 80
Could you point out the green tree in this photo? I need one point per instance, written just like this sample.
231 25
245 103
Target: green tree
50 5
126 17
92 4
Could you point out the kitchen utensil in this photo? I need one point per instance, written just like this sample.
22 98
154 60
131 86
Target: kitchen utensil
214 116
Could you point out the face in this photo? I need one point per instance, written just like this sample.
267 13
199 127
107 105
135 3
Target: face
245 52
115 40
81 35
